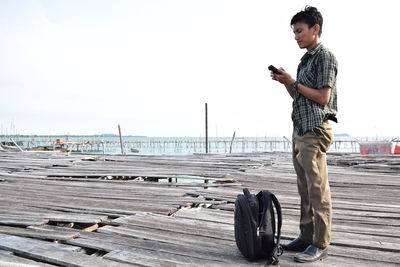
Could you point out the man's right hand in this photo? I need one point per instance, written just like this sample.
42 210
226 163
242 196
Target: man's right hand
284 78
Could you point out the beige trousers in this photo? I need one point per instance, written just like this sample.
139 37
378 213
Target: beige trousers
309 160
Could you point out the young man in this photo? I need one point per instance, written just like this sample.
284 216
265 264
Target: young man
314 103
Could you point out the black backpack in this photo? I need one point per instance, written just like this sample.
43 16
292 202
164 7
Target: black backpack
255 226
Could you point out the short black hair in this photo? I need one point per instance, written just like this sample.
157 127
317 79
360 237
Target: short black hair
310 15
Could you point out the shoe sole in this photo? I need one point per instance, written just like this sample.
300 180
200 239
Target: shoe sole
324 256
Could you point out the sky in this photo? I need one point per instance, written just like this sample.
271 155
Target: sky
85 66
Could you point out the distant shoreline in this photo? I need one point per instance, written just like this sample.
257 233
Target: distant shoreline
339 135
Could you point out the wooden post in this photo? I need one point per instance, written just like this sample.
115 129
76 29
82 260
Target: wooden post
289 142
15 143
120 140
206 181
233 137
206 129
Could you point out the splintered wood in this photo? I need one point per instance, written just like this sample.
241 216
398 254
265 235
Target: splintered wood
108 210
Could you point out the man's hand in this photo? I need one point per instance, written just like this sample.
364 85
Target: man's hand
284 78
321 96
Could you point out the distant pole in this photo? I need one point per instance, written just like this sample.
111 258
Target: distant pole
206 129
233 138
120 140
12 140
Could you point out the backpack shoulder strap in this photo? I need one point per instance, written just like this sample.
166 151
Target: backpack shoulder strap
279 212
264 197
278 249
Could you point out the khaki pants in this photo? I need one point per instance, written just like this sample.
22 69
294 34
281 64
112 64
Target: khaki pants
309 160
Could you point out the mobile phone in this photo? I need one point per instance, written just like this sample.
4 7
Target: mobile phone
274 70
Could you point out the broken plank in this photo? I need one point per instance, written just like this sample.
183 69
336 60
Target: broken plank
5 220
38 233
52 253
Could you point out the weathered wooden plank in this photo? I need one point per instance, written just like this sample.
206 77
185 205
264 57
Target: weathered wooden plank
40 216
102 207
201 214
52 252
178 225
376 257
38 233
5 220
15 261
292 222
356 241
286 260
166 236
173 251
142 259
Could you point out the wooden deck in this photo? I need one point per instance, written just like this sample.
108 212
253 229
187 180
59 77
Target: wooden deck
108 210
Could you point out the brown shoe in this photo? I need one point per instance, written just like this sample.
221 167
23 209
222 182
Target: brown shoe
295 245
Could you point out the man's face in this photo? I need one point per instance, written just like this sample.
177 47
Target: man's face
306 37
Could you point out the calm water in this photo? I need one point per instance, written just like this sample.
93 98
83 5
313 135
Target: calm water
178 145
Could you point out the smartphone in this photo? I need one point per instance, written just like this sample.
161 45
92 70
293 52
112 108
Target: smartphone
274 70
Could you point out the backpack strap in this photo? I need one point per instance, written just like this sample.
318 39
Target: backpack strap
246 192
278 251
279 212
264 197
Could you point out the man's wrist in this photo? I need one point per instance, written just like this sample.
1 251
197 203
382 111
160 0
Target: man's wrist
294 86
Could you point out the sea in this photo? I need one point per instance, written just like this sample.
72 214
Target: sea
143 145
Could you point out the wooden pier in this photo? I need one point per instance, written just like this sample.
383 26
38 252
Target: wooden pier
108 210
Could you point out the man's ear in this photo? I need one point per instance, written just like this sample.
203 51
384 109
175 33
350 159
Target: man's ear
317 28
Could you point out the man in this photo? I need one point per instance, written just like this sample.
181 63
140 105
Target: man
314 103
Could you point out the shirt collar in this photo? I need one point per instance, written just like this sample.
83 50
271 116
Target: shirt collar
312 52
315 49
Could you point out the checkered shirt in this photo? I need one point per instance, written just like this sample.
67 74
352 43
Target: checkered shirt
317 69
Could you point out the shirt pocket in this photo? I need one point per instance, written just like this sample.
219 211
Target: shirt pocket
308 77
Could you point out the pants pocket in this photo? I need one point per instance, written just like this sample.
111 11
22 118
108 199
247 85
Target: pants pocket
324 133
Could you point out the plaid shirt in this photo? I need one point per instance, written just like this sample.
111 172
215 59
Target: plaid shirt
317 69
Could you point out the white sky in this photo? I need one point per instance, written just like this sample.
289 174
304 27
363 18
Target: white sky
83 66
